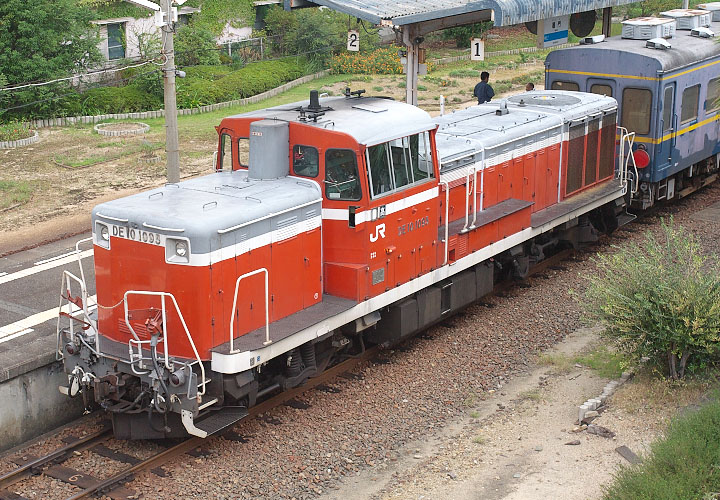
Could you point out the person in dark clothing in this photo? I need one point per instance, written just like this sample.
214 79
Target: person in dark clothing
483 91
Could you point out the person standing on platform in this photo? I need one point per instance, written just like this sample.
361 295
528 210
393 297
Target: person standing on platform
483 91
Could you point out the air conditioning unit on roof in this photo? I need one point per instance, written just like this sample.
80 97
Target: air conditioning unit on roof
590 40
688 19
713 7
647 28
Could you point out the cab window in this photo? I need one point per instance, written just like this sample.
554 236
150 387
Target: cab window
690 99
636 105
421 155
244 151
712 101
399 163
561 85
341 175
380 176
306 161
225 161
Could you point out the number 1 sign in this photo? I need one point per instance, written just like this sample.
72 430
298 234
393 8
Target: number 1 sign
353 41
477 49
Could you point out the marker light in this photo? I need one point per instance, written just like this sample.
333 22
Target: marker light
642 158
104 233
181 248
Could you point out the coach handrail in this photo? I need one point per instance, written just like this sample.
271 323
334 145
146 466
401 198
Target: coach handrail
624 162
162 296
79 258
267 308
482 187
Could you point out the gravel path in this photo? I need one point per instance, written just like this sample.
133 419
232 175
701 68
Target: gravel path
365 425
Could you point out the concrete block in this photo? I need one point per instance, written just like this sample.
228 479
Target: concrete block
591 405
582 410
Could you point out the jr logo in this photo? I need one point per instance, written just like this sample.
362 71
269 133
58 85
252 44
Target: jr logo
379 233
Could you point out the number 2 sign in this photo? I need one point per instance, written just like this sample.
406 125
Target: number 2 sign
353 41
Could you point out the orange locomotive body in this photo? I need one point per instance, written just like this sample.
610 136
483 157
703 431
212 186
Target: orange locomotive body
327 225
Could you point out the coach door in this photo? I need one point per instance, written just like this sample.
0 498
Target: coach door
666 136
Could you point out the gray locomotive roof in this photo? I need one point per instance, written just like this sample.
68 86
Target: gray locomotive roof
479 127
504 12
203 205
370 120
685 50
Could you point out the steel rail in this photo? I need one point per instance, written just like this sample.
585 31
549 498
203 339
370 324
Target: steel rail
35 466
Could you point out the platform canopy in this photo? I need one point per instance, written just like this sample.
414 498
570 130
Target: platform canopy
501 12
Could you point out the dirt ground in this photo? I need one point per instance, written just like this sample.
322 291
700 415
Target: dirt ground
522 442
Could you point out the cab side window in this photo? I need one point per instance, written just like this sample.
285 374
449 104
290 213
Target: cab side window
244 152
225 161
306 161
380 176
342 181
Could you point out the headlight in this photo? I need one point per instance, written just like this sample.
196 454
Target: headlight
104 233
181 248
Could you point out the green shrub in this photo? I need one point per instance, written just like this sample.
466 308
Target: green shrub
195 45
14 131
127 99
683 465
463 34
660 300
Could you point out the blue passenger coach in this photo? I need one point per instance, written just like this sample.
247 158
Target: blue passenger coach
669 98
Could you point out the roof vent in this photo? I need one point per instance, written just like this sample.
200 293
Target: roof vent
702 32
713 7
590 40
647 28
658 43
688 19
502 109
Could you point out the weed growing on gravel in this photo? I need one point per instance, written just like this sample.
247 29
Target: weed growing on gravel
531 395
474 414
471 400
479 440
683 465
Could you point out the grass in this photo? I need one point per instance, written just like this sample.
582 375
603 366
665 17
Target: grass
558 362
531 395
14 193
606 363
474 414
117 150
652 390
479 440
683 465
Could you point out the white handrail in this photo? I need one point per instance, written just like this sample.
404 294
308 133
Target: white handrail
65 287
482 187
162 296
447 214
624 163
267 308
77 252
470 170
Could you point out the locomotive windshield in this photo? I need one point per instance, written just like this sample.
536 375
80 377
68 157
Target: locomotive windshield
341 175
399 163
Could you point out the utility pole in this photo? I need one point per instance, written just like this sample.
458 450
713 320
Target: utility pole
171 130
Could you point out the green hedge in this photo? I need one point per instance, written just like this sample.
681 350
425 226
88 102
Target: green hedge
204 85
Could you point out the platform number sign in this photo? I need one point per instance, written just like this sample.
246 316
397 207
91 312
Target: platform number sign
477 49
353 41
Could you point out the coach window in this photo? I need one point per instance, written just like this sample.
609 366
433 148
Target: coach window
341 175
712 101
690 100
601 89
668 108
225 162
306 161
636 105
560 85
244 152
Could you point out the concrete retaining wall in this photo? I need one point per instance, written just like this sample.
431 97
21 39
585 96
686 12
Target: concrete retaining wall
32 405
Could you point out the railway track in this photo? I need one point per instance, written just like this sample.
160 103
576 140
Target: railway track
85 485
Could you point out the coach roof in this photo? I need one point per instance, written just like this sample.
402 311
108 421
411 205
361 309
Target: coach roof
369 120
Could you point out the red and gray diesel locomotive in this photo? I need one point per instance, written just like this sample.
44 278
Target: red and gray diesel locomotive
328 225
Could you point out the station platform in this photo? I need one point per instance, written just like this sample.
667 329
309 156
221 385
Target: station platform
30 283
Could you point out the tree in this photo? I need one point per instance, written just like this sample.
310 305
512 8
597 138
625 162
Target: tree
463 34
43 40
660 300
195 45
